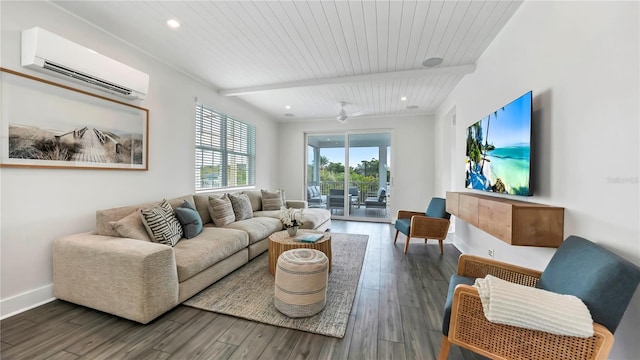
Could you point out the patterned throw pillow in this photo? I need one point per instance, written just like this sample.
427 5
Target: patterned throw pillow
221 210
241 206
161 224
271 200
189 219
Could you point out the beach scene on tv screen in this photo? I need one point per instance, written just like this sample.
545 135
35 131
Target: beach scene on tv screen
498 150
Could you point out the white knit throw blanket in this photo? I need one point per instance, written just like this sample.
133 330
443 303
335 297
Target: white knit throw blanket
507 303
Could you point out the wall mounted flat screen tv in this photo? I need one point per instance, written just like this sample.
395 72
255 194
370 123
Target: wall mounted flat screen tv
498 154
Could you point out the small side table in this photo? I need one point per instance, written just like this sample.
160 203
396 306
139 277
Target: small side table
280 242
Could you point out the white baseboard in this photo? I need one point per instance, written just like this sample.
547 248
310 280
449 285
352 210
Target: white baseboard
461 246
25 301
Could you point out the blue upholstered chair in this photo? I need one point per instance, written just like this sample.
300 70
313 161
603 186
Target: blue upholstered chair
604 281
431 224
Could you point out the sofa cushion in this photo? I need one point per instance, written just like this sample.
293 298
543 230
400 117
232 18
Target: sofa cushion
313 217
189 219
255 197
131 226
161 223
271 200
271 214
258 228
221 210
178 201
210 247
241 206
202 206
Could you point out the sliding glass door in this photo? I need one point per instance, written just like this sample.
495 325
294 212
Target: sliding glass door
358 191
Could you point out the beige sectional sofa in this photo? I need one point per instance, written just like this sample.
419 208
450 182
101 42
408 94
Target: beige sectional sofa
118 270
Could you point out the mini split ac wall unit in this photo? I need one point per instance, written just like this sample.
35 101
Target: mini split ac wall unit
52 54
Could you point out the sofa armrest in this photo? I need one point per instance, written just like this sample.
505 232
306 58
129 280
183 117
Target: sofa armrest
297 204
130 278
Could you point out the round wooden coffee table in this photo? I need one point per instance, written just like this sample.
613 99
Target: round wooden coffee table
280 242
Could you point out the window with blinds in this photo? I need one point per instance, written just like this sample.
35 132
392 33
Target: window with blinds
225 151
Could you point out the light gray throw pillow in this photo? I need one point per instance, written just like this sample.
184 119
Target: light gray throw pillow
241 206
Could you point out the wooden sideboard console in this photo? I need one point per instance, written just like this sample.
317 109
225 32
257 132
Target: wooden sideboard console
514 222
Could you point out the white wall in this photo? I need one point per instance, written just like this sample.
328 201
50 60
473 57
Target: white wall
37 205
412 156
581 59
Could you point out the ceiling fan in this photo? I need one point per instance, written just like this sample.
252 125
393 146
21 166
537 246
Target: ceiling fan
342 115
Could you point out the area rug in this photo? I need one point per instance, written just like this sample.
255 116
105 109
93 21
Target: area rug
248 292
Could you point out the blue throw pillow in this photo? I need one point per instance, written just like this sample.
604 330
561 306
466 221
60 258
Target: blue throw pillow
189 219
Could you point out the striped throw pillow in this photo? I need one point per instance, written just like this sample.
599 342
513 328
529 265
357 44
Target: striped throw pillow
221 210
161 224
271 200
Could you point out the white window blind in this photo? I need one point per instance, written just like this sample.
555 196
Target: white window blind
225 151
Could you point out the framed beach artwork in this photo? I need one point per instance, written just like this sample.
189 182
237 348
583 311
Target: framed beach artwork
49 125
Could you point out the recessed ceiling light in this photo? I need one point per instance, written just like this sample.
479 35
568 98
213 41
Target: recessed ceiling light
287 107
173 23
289 114
412 107
431 62
404 98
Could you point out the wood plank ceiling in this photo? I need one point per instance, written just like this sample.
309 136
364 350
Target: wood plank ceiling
311 55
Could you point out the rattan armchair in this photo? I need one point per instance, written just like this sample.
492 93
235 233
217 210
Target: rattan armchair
606 286
431 224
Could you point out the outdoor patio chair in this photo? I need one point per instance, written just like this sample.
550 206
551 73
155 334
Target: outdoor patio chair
355 196
431 224
335 200
604 282
379 201
314 197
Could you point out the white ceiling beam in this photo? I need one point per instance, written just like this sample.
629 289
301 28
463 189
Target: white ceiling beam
394 75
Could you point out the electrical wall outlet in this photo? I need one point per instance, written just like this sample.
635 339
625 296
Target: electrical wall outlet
491 253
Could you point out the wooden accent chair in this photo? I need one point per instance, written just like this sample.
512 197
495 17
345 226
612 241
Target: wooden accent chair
604 281
431 224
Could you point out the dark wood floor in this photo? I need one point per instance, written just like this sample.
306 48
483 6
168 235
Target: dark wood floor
397 314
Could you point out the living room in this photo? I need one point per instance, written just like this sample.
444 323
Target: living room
580 59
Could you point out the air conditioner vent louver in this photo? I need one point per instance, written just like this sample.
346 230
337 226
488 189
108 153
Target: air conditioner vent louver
52 54
86 78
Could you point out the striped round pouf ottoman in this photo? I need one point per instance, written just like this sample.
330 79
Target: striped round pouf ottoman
301 282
